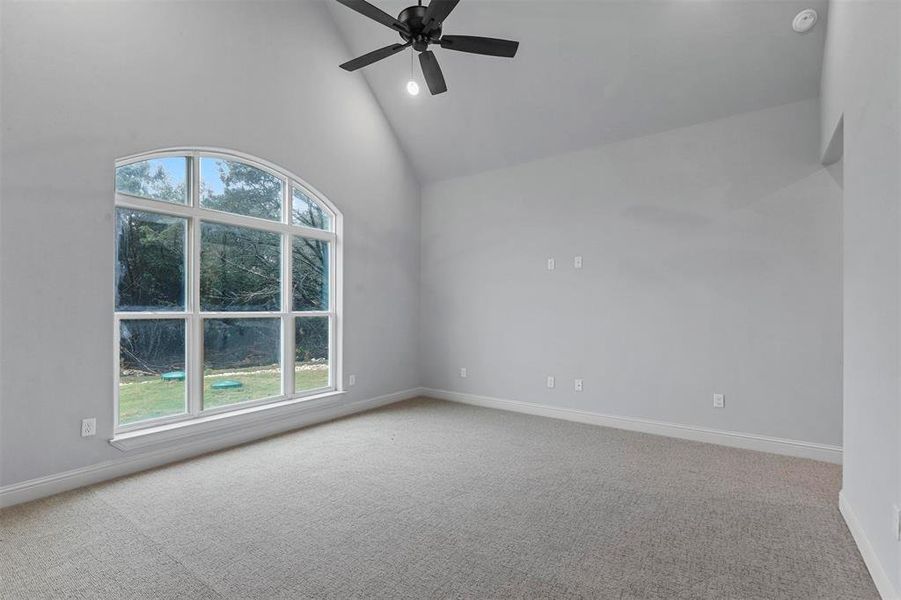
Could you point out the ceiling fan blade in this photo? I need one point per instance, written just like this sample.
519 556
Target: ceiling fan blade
480 45
436 12
376 14
375 55
432 72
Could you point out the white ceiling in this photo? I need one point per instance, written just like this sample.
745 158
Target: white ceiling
586 73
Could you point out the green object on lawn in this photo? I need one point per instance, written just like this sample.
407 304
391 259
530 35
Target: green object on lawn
227 384
173 376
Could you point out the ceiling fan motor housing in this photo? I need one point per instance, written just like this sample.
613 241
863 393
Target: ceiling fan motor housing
412 17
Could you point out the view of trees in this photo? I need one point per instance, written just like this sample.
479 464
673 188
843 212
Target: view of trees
311 338
151 261
160 179
239 268
240 189
241 343
306 212
310 279
152 346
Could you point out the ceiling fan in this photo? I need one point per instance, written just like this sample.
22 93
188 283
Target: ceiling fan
420 26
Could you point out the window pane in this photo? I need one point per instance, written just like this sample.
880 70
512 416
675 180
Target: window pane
239 268
151 369
305 211
150 268
239 188
240 360
311 368
157 178
310 266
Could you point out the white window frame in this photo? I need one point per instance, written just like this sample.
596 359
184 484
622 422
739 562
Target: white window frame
194 316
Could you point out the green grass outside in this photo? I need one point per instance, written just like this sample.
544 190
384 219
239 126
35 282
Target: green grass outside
144 397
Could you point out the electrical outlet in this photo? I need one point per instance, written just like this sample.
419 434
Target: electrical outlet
578 385
550 382
551 264
463 372
577 262
88 427
351 380
719 401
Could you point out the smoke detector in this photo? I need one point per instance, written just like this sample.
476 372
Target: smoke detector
805 20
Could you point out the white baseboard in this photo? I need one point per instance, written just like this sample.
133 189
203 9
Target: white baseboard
299 416
880 578
748 441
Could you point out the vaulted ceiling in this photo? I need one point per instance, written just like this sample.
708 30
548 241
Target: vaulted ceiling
587 73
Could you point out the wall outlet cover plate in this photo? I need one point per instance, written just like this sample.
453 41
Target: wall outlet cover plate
88 427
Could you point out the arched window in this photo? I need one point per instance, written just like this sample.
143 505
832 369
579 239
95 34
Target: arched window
226 286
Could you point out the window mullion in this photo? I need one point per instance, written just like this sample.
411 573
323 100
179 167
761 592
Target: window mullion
288 347
195 360
117 340
336 379
221 217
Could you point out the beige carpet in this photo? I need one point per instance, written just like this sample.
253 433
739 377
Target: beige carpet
428 499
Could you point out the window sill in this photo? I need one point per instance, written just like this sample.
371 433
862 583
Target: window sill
225 422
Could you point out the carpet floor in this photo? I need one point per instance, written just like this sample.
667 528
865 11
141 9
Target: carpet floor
429 499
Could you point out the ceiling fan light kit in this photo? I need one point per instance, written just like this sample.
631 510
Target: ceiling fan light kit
419 27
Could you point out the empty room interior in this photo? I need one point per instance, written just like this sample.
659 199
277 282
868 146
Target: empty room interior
536 299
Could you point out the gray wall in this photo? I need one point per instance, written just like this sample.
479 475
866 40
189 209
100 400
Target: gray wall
87 82
712 263
862 87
